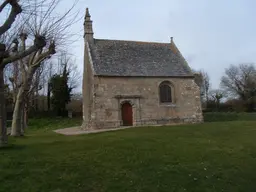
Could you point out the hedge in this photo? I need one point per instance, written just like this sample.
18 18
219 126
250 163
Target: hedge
229 116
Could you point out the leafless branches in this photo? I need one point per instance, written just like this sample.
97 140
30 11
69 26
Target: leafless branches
15 10
241 81
238 79
51 24
46 23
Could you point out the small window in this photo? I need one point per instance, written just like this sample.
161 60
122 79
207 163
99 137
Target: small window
165 93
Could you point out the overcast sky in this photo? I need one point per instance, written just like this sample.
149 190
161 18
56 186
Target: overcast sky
211 34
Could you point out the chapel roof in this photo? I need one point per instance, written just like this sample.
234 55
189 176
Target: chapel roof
134 58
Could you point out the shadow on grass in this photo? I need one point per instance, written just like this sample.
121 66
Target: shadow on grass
13 147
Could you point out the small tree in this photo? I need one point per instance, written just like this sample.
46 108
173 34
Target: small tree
64 67
205 85
202 79
216 96
61 92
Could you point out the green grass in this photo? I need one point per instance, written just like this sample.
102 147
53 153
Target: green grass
206 157
46 124
228 116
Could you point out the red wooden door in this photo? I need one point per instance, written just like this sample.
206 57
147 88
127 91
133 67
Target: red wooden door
127 114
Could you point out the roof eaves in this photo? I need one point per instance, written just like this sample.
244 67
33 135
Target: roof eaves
137 76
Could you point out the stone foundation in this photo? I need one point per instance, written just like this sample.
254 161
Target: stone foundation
145 122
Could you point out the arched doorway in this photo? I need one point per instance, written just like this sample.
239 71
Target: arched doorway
127 114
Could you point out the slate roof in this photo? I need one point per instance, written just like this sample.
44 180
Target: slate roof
132 58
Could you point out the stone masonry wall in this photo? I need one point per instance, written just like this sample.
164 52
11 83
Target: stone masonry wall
88 89
143 94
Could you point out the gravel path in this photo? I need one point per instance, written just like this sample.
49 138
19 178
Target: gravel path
79 131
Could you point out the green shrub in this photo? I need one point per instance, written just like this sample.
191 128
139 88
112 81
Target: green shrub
230 116
8 123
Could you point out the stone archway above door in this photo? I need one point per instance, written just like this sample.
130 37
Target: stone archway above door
134 101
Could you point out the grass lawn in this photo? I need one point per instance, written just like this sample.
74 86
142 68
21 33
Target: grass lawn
207 157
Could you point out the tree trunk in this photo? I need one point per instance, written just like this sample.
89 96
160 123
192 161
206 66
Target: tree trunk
25 121
36 100
22 127
48 97
250 105
3 129
17 113
207 99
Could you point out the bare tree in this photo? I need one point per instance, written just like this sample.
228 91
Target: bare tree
53 26
36 87
29 67
216 95
48 74
205 85
6 56
240 81
202 79
65 61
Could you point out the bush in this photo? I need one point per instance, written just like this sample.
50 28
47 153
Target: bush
9 123
231 116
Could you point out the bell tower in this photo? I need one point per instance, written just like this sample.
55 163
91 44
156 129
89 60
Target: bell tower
88 30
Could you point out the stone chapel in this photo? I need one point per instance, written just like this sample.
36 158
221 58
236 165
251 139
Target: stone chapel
132 83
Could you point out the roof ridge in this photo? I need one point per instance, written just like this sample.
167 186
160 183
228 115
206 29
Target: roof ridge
135 41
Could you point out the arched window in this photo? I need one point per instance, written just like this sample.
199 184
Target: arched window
165 92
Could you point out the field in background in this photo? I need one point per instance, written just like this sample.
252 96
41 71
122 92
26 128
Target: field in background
65 122
228 116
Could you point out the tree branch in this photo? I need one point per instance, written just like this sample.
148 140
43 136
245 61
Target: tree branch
3 5
34 57
16 9
3 52
39 43
42 57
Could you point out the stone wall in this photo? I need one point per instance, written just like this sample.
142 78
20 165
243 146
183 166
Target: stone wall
143 94
88 88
